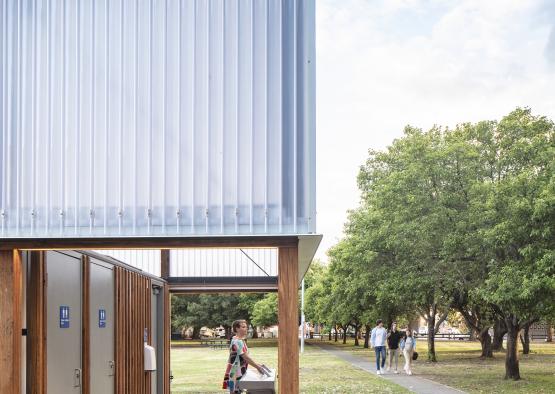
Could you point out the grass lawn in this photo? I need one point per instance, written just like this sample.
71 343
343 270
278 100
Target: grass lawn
459 366
201 370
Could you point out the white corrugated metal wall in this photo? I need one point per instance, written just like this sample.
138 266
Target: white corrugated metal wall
223 262
136 117
243 262
146 260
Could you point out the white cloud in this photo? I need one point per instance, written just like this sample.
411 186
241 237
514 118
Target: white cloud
550 48
382 65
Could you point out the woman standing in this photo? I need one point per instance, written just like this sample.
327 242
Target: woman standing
239 358
393 339
408 345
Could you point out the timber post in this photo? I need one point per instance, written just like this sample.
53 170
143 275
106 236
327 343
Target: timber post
288 342
11 299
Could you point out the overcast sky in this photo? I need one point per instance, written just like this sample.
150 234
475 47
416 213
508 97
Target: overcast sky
384 64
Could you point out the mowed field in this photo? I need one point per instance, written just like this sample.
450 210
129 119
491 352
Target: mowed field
201 370
459 365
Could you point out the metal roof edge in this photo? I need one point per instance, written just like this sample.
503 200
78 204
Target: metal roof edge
308 245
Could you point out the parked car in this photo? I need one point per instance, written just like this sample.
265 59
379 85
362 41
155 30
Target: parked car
220 332
206 332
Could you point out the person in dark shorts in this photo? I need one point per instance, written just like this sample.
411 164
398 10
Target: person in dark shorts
393 338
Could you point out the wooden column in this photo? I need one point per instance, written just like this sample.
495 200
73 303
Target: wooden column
288 344
86 330
36 325
11 298
165 274
165 264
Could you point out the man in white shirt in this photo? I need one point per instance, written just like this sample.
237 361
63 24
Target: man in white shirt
377 341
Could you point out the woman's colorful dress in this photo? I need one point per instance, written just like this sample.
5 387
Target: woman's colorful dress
236 365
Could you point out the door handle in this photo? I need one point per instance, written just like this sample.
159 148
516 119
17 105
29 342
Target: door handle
111 368
77 378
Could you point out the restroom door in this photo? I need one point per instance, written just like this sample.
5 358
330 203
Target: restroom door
101 323
63 311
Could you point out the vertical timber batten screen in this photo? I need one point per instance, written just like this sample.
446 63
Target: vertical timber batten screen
133 311
157 117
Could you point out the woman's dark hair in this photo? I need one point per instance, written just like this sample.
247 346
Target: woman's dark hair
236 324
379 321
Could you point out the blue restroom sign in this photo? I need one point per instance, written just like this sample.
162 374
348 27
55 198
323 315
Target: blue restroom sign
102 318
64 316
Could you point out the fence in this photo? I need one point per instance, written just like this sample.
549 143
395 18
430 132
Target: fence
460 337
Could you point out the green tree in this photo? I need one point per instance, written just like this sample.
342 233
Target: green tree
209 310
407 194
265 311
316 298
517 224
464 218
463 247
247 301
179 308
349 288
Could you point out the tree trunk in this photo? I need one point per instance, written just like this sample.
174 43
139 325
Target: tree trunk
357 330
549 332
336 333
525 339
485 342
345 334
254 332
431 339
499 331
512 370
228 333
196 332
329 335
367 336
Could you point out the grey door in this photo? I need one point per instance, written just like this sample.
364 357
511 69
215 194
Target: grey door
101 328
63 311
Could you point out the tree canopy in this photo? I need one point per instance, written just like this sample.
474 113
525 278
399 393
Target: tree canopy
451 219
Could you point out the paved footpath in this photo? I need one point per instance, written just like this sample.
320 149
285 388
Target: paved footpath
413 383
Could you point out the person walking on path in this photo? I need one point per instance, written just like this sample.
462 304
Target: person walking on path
408 345
377 341
393 338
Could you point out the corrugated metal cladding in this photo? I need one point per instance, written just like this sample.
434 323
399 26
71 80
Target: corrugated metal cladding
223 262
203 262
146 260
162 117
